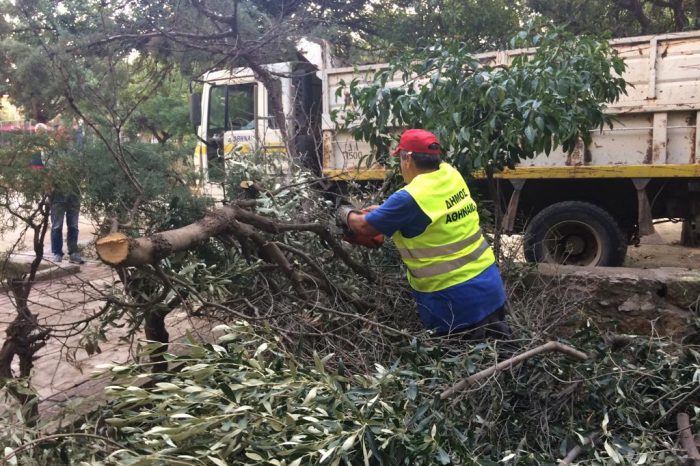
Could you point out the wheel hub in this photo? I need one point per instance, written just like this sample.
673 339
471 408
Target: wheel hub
573 243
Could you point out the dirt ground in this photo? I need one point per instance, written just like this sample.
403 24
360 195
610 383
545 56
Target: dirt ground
663 250
659 250
86 236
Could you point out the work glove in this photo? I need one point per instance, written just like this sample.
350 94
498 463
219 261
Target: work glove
350 236
342 214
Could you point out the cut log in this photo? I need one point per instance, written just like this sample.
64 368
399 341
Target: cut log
116 249
113 248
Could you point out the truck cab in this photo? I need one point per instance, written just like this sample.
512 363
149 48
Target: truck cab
234 113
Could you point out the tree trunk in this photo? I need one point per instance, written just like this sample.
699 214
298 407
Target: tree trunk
268 81
155 330
24 337
117 249
679 19
690 237
637 10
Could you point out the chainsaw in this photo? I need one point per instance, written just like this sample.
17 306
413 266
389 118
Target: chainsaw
346 234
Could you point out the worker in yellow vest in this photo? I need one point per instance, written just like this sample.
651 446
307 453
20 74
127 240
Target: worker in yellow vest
434 223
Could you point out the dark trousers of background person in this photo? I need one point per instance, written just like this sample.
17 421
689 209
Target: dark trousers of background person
64 206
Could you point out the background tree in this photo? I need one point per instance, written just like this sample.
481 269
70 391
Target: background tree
621 18
394 27
165 114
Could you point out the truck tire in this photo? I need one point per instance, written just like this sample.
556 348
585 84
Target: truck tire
575 233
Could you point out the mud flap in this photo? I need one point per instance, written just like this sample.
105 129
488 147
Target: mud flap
508 222
644 220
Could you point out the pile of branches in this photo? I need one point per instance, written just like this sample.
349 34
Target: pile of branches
246 400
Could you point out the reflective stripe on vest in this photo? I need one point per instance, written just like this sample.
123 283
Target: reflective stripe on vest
454 264
452 249
423 253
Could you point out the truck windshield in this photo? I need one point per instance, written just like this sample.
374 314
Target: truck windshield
231 108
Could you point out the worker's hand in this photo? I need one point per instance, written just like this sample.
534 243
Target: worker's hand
370 208
372 242
342 214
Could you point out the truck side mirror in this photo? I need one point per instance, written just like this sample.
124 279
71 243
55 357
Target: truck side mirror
196 108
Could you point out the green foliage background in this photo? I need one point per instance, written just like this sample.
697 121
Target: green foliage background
491 117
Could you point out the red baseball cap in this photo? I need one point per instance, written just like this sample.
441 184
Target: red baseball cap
418 140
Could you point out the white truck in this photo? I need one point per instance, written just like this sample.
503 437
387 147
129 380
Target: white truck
581 208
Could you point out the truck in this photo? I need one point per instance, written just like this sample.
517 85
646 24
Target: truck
583 207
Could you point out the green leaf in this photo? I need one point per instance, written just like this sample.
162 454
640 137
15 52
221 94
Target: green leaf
326 454
604 424
349 442
260 349
412 390
310 396
530 134
443 457
253 456
612 452
217 461
9 451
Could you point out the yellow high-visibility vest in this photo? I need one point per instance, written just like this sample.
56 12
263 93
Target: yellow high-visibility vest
452 248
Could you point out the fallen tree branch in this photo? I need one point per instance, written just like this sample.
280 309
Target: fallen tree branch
687 440
118 250
675 406
509 363
53 437
574 452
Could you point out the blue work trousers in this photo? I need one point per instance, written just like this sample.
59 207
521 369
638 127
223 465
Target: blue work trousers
64 206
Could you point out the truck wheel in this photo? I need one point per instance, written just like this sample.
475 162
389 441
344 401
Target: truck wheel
575 233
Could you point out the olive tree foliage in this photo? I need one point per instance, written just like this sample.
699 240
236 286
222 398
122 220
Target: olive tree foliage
491 116
245 399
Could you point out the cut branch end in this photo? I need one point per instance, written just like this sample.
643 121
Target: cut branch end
113 249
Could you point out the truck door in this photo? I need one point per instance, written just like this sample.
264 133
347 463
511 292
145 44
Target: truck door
271 145
231 123
240 118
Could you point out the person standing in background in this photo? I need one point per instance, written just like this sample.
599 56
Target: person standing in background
65 201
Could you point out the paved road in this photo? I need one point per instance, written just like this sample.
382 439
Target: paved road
62 303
